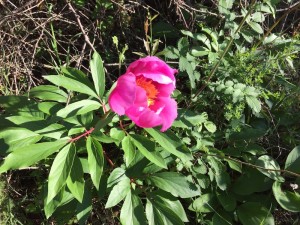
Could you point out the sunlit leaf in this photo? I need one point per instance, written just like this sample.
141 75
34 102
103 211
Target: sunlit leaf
60 170
98 74
95 160
132 211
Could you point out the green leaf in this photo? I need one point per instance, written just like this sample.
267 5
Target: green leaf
62 198
223 180
199 51
106 119
185 65
84 209
16 137
163 208
256 27
71 84
118 134
78 108
60 170
147 148
49 108
48 92
175 183
225 5
158 213
171 143
253 103
98 74
205 203
210 126
77 75
251 181
221 218
227 200
288 200
95 160
30 154
118 193
170 52
293 160
39 125
254 213
14 102
268 162
129 150
116 176
258 17
132 211
75 179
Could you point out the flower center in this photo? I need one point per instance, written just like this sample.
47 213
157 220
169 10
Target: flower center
149 87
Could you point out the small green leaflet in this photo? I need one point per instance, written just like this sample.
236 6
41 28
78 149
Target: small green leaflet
30 154
288 200
78 108
39 126
253 103
84 209
147 148
95 160
60 170
163 208
132 211
16 137
171 143
62 198
293 160
205 203
71 84
175 183
118 193
75 180
48 92
98 74
129 150
268 162
254 213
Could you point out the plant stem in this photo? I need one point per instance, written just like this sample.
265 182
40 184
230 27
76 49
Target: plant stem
225 51
88 132
252 165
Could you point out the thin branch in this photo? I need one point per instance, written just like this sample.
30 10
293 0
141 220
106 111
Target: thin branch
252 165
82 135
86 38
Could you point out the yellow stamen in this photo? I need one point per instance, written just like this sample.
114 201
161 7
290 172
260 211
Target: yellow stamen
149 87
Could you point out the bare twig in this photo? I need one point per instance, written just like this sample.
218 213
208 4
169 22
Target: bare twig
252 165
86 38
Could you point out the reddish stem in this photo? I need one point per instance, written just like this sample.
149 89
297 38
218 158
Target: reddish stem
104 108
122 127
88 132
108 160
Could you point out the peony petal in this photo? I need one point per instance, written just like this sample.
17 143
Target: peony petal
148 119
143 117
164 90
153 68
123 96
141 99
166 108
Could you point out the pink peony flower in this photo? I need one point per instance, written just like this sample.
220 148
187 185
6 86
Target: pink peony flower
143 93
